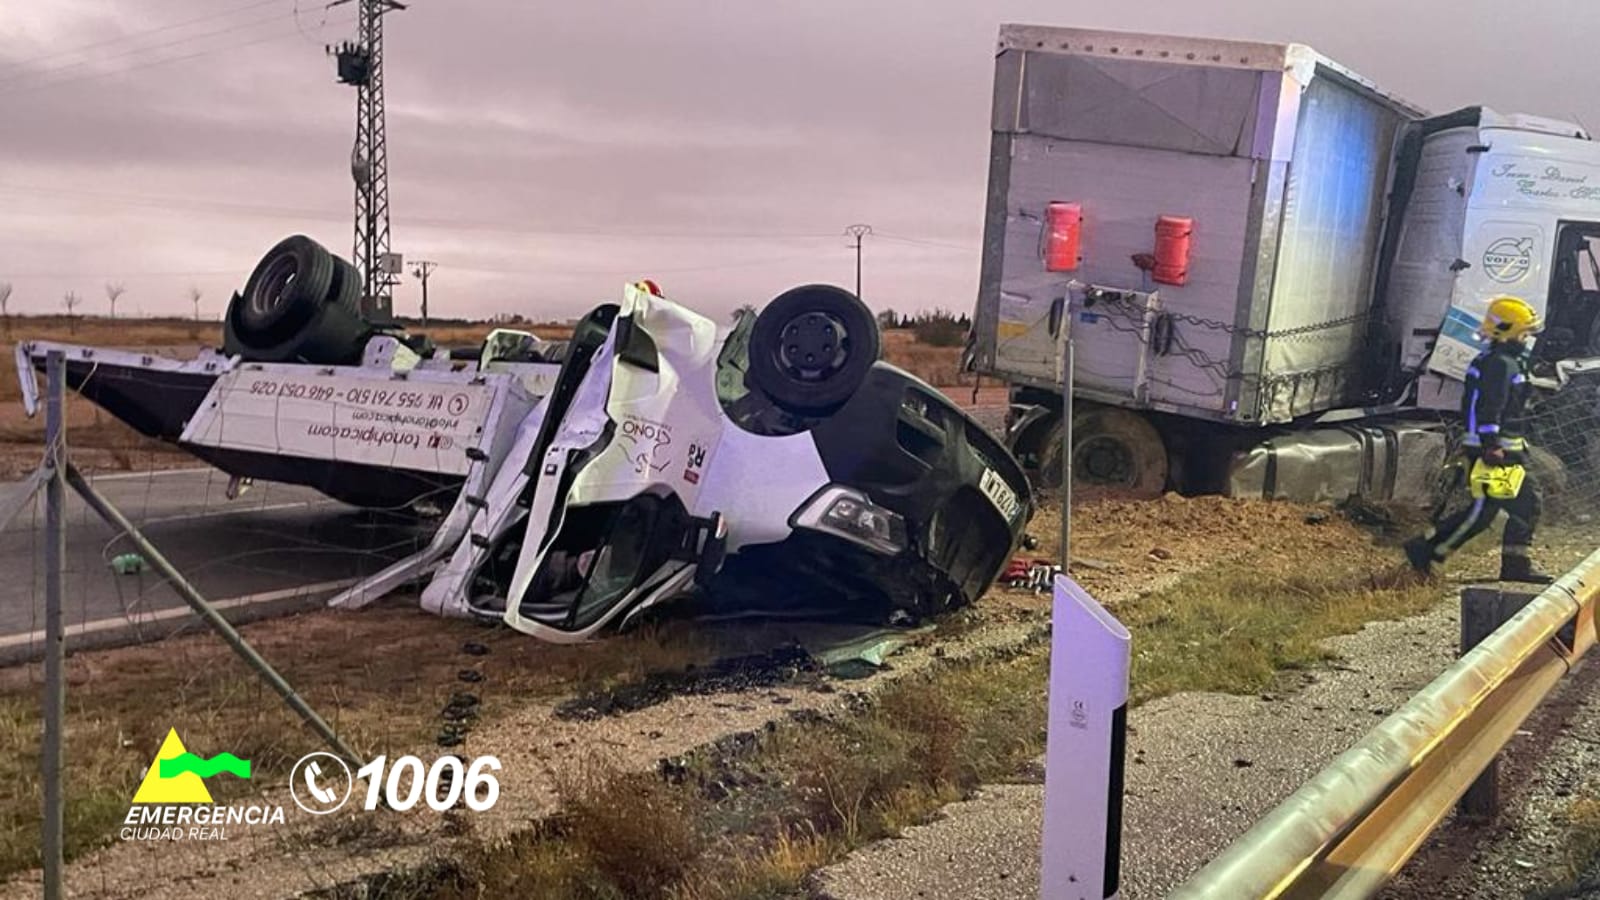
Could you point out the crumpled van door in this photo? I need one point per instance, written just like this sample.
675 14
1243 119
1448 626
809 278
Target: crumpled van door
617 481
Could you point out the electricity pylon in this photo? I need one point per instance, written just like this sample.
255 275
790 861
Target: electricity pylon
361 65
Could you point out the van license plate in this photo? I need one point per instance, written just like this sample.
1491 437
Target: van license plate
1000 494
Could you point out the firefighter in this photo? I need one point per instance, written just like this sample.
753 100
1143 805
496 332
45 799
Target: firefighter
1496 390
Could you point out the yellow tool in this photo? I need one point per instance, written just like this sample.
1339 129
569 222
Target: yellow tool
1496 482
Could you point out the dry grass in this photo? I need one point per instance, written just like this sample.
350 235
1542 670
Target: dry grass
821 789
380 677
812 791
1582 849
938 366
637 831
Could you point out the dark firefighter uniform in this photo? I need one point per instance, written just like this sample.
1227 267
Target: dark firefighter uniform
1497 388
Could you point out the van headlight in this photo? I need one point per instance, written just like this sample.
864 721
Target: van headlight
847 513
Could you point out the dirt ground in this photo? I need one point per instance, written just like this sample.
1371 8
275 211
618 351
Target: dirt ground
388 676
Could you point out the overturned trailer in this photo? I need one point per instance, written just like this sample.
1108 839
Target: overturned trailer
774 465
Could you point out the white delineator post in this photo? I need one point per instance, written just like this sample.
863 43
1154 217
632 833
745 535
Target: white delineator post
1089 654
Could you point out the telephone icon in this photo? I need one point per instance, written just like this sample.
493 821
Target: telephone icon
313 774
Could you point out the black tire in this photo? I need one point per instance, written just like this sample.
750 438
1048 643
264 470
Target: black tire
346 288
811 348
1112 448
284 292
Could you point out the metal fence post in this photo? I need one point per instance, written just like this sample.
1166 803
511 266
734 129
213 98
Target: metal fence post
1484 608
208 613
55 697
1066 449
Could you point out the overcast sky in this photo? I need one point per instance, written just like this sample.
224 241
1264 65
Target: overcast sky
545 152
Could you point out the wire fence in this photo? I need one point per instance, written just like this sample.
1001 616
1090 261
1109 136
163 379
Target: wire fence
1563 428
268 549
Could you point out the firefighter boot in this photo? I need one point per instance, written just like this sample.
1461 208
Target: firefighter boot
1419 552
1519 568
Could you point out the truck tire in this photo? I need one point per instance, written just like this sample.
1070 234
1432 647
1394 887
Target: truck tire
346 289
281 316
284 291
811 348
1112 448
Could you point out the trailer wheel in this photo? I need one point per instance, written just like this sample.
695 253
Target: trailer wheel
284 291
811 347
1111 448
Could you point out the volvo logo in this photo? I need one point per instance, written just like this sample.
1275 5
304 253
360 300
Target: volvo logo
1508 259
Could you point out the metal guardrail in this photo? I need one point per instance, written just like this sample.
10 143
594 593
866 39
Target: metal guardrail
1350 828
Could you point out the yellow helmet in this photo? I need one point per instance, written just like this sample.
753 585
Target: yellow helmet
1510 319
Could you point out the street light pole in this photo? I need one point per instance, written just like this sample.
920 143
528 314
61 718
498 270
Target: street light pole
858 232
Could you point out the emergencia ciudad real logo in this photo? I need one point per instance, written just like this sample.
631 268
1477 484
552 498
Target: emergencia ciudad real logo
173 802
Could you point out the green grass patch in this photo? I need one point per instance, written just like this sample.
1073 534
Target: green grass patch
1232 629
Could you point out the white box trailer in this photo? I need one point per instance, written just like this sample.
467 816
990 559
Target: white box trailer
1278 156
1329 250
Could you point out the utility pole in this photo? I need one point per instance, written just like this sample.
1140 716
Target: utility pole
423 269
360 64
858 231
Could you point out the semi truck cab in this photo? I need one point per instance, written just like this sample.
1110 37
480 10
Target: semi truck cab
1487 204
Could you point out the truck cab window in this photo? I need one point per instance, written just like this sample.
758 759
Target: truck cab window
1573 313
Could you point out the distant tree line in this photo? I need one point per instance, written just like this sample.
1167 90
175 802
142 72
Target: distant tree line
937 328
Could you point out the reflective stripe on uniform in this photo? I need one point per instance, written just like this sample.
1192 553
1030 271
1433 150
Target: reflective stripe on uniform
1453 542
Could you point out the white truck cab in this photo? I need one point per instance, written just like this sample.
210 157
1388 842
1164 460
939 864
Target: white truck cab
1500 205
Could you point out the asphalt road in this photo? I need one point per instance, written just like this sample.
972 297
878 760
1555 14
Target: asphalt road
274 540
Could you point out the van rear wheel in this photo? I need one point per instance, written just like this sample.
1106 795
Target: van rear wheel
811 347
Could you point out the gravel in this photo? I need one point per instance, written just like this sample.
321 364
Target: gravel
1201 769
1552 761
